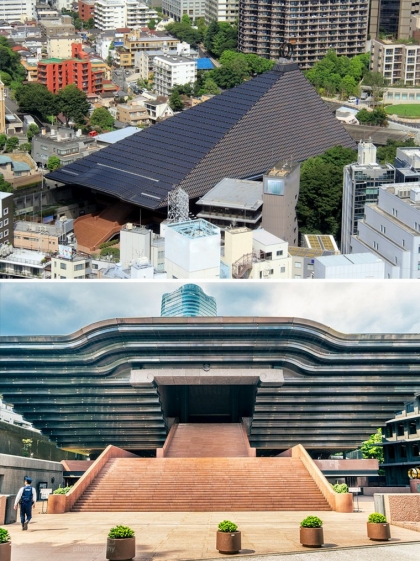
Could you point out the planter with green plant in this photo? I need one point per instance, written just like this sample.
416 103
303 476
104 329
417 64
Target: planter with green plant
377 527
228 538
121 544
311 532
57 501
5 545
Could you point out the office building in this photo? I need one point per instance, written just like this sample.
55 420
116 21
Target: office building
312 28
391 230
361 186
17 10
175 9
393 18
188 301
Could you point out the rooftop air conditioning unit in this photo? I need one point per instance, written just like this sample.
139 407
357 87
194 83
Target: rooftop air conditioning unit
129 226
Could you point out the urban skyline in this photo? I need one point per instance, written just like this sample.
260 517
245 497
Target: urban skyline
347 307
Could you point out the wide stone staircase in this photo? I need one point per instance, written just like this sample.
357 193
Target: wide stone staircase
206 469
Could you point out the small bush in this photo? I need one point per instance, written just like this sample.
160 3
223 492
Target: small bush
62 490
4 536
227 526
120 532
377 518
108 244
340 488
311 522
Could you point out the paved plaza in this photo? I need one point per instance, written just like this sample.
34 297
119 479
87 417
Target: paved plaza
175 536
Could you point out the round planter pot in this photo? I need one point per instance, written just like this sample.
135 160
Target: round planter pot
228 542
121 549
311 537
5 551
56 504
378 532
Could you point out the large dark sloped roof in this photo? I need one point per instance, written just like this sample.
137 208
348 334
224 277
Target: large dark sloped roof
240 133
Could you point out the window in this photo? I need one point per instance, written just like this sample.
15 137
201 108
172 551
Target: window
394 212
298 265
279 252
6 221
282 269
6 233
79 267
5 211
400 429
63 265
412 427
375 245
383 229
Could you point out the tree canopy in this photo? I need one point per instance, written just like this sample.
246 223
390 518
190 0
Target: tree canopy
102 118
175 101
73 104
370 448
5 186
53 163
338 74
221 36
321 191
36 99
376 117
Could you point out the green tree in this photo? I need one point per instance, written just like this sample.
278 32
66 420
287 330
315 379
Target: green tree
6 78
5 186
102 118
258 64
53 163
377 117
25 147
386 154
175 101
32 131
73 104
12 143
320 193
370 448
36 99
348 86
226 77
3 139
209 87
152 24
378 84
185 19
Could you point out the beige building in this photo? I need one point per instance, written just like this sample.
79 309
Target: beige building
2 109
255 254
399 63
60 47
60 26
31 68
133 113
40 237
69 265
136 41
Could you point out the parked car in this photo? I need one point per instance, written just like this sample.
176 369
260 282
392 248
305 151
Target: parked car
352 99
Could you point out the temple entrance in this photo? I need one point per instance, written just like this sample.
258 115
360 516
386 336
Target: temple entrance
208 404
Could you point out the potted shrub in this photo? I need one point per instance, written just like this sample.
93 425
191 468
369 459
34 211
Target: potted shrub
377 527
228 538
311 532
121 544
57 501
5 545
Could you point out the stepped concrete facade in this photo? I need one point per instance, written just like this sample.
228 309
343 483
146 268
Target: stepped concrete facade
289 381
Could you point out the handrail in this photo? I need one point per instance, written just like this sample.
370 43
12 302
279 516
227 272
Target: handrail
161 452
340 502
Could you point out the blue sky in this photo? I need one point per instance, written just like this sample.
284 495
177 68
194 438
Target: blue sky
52 308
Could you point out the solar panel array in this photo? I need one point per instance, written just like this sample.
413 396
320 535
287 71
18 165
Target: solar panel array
242 132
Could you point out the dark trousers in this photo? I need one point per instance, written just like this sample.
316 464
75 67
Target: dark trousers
25 511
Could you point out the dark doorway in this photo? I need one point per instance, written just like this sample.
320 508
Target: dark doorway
208 404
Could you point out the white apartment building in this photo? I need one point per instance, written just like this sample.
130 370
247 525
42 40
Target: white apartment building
177 8
17 10
397 62
391 230
60 47
361 183
170 71
117 14
222 10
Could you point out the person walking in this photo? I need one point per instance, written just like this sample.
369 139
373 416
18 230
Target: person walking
26 498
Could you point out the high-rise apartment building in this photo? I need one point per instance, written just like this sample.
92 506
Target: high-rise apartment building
117 14
222 10
188 301
311 26
361 186
394 18
17 10
177 8
399 63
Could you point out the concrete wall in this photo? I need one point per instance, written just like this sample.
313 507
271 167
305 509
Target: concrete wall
14 468
11 443
402 508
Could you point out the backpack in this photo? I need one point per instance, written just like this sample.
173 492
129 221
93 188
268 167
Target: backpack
27 498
